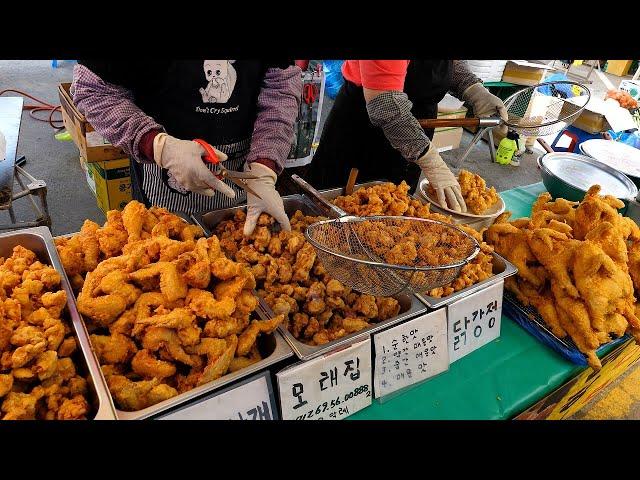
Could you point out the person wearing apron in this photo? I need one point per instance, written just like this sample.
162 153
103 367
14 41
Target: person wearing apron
374 126
154 109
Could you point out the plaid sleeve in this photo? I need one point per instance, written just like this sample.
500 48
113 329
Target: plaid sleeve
391 111
278 104
111 110
461 78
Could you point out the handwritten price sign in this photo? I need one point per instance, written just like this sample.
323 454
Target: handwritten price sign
330 387
250 400
411 352
474 321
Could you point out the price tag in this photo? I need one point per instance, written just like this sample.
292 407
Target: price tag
250 400
330 387
411 352
474 321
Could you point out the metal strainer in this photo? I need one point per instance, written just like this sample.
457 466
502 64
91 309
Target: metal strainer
384 255
535 111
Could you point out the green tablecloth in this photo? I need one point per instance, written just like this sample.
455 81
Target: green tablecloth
497 381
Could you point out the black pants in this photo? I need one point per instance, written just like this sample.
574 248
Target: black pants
349 139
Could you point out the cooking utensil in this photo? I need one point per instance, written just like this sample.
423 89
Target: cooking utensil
620 156
239 178
352 250
535 111
353 175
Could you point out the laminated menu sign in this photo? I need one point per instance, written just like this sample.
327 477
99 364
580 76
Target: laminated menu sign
474 321
249 400
410 353
330 387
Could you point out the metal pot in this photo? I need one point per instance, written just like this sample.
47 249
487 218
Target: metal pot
569 175
620 156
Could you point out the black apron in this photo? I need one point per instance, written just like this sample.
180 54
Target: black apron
349 139
215 100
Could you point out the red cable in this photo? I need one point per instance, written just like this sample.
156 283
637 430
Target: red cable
47 107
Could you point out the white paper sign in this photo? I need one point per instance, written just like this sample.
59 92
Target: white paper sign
330 387
410 353
249 401
474 321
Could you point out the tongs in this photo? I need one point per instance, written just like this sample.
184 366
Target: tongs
239 178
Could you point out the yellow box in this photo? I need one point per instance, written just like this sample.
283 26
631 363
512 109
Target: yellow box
93 147
110 182
619 67
523 74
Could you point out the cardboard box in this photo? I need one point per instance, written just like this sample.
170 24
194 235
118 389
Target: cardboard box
447 138
93 146
110 182
619 67
522 72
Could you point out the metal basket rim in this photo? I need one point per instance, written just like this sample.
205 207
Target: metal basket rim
352 218
513 96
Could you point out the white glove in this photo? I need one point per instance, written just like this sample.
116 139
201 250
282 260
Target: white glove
485 104
445 184
269 202
183 159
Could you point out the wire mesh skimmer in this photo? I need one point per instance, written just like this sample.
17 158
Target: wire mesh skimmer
535 111
385 255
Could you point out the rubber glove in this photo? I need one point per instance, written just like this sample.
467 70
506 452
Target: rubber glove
445 184
485 104
183 159
269 202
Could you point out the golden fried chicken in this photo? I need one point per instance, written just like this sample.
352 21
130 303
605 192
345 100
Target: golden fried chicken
115 348
147 366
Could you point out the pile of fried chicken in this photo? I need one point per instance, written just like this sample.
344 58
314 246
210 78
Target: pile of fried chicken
293 282
38 378
578 265
167 310
391 199
477 196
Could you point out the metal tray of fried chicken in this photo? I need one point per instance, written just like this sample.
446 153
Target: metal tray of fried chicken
410 306
502 268
272 347
529 319
40 241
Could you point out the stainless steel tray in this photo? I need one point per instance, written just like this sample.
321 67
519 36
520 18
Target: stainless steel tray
502 269
40 241
410 306
274 348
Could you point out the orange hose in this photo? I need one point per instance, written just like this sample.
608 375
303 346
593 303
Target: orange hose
44 107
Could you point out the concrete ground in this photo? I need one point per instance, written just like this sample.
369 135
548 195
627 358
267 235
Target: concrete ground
71 200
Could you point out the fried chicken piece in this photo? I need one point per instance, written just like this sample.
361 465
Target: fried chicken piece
46 364
124 324
220 365
115 283
134 215
160 393
232 288
26 335
196 272
476 195
6 384
130 395
19 406
113 236
225 269
222 327
171 283
356 324
238 363
211 347
103 310
177 318
24 354
191 232
305 258
205 305
161 338
366 305
246 302
115 348
67 347
75 408
388 307
54 302
594 210
249 336
147 366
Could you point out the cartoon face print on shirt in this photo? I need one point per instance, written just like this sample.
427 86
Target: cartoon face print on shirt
221 77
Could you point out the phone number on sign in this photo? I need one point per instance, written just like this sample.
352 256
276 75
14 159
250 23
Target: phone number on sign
329 406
